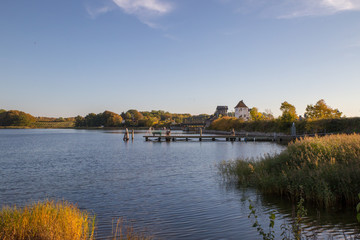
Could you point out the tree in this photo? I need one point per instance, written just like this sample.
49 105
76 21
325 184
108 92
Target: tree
16 118
80 121
255 114
288 112
93 120
111 119
321 111
135 115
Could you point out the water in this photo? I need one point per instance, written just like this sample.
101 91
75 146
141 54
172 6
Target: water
171 190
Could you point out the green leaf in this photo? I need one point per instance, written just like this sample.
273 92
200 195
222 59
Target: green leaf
272 216
358 207
358 217
359 195
255 225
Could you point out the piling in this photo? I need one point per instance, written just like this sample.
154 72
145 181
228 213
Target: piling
126 135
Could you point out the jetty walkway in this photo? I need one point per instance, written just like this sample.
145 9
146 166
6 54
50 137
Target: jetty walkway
229 138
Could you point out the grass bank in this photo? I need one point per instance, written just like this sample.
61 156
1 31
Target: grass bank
324 170
51 220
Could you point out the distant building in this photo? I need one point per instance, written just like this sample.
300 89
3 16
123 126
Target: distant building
242 111
221 110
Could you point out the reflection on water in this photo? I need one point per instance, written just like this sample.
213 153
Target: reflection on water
170 189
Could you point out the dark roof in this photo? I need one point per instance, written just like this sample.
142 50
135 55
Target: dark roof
241 104
222 107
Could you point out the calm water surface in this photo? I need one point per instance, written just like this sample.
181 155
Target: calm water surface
171 190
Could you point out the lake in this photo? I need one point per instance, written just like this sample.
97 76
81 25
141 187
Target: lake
170 189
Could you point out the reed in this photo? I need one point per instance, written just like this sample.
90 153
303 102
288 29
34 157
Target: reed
324 170
49 220
122 230
46 220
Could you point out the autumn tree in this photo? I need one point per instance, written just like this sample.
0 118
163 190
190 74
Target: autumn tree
321 111
255 114
135 115
111 119
16 118
288 112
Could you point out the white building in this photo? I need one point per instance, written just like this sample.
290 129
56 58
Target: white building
242 111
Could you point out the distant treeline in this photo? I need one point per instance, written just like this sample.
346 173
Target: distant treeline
131 118
134 118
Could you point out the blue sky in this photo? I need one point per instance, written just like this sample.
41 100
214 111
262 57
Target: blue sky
64 58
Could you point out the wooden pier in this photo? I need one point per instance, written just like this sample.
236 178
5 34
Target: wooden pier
228 138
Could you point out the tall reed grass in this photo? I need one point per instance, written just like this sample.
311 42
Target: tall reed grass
324 170
47 220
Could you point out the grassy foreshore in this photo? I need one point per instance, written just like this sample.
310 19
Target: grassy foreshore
323 170
51 220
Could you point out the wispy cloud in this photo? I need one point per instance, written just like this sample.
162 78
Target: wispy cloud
145 10
296 8
94 12
322 7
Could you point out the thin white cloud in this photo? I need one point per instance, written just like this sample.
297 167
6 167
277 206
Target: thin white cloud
297 8
145 10
144 6
94 12
322 7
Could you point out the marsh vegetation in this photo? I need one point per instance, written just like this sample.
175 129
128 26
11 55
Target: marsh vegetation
324 170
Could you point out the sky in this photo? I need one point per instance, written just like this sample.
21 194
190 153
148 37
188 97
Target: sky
67 58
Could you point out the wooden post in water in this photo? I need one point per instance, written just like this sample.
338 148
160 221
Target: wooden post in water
126 135
132 134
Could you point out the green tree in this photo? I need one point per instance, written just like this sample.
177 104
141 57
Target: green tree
93 120
288 112
321 111
80 121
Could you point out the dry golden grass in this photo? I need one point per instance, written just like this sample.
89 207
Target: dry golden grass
46 220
